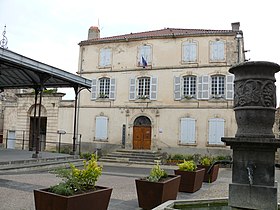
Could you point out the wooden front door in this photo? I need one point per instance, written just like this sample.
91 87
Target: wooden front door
142 137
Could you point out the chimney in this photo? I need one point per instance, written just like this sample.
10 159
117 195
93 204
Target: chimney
235 26
93 32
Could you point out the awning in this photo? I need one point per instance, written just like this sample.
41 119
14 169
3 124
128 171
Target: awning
17 71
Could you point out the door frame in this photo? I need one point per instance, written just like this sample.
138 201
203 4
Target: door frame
142 123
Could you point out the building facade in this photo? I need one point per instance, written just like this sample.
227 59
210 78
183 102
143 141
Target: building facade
167 90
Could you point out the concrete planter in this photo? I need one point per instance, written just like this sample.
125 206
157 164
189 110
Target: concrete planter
152 194
191 181
95 200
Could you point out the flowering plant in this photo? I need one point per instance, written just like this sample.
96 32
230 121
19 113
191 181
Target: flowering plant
187 166
156 173
76 180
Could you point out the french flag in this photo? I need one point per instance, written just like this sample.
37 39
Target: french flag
144 62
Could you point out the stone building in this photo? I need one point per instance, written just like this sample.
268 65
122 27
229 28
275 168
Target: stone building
167 90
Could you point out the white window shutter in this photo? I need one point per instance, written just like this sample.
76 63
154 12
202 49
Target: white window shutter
221 50
94 89
203 87
216 130
187 131
145 51
112 94
108 57
189 52
102 57
230 86
132 89
105 57
101 128
177 88
153 88
217 50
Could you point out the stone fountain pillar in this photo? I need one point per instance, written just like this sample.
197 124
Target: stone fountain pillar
254 146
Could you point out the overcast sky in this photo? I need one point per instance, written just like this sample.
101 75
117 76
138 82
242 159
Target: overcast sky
50 30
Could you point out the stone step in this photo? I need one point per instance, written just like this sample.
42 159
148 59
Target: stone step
38 164
132 156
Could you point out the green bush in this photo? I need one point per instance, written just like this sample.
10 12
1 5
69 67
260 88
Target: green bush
187 166
76 180
156 174
206 160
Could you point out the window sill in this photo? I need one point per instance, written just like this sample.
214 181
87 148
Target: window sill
222 99
215 145
101 140
188 100
187 144
103 100
142 101
105 67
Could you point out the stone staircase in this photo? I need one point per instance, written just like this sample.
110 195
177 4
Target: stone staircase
133 156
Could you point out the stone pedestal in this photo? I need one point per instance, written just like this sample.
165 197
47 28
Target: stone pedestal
253 173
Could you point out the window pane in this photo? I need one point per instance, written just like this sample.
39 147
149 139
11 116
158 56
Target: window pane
218 85
189 86
104 87
143 87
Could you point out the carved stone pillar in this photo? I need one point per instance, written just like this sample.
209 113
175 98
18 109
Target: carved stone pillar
253 174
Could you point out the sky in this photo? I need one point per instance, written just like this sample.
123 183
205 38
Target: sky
49 30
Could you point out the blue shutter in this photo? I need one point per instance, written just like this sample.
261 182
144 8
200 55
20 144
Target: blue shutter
177 88
94 89
216 131
153 88
230 86
101 128
112 94
187 131
132 89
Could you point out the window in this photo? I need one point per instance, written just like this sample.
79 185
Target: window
189 52
103 88
217 51
105 57
145 55
101 128
184 87
216 131
143 88
187 131
218 86
189 86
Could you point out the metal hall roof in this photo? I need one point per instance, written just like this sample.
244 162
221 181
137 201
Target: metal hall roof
17 71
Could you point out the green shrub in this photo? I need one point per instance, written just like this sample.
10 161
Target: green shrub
187 166
76 180
87 156
156 174
206 160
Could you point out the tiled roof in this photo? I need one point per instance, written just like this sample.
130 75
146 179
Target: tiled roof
163 33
